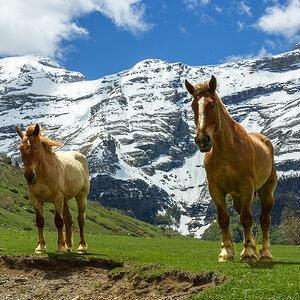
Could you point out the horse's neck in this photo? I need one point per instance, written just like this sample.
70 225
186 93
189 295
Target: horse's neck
47 163
225 135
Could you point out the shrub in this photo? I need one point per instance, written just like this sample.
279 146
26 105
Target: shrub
290 226
6 159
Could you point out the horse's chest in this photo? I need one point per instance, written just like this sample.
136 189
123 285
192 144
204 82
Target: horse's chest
44 192
227 176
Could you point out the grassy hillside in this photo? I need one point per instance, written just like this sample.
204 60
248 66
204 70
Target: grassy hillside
16 211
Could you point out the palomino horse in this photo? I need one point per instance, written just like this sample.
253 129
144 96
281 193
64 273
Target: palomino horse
56 178
236 163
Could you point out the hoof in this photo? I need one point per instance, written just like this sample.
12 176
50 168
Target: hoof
40 250
249 258
226 254
61 250
265 255
82 249
265 259
223 258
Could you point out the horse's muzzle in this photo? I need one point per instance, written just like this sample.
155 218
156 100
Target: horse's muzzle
30 178
203 142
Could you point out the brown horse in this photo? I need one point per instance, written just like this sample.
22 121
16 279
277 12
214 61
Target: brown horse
56 178
236 163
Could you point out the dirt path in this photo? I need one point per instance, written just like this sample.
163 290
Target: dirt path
38 278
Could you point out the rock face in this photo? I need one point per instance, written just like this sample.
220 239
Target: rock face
137 129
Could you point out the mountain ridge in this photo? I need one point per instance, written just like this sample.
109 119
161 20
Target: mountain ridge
136 127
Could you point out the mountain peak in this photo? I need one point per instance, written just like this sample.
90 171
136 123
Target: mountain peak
137 127
297 46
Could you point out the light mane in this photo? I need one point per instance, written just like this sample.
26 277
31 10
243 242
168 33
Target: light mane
201 88
46 142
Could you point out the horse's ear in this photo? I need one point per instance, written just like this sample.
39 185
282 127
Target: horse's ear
36 130
212 85
19 132
190 88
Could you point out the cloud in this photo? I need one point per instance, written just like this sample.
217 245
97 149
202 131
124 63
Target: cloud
282 20
182 29
127 14
41 26
240 26
219 9
261 53
192 4
244 9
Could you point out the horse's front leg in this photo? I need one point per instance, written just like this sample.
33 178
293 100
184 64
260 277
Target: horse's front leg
227 248
59 223
40 221
249 253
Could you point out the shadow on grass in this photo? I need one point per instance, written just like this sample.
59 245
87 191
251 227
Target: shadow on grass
270 265
72 254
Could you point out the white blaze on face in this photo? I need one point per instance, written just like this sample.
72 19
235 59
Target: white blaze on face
201 116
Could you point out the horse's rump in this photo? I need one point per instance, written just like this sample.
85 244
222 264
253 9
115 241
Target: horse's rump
264 159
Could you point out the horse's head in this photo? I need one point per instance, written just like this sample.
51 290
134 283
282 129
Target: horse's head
30 150
206 112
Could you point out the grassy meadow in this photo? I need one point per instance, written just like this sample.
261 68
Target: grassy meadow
113 235
277 280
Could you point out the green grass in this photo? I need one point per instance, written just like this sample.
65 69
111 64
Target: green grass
277 280
113 235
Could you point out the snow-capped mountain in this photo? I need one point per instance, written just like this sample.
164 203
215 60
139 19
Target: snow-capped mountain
137 129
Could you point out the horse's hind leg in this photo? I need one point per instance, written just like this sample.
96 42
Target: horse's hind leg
59 223
249 253
81 199
266 202
68 225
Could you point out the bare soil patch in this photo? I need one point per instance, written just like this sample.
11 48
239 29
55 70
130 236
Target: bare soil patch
77 278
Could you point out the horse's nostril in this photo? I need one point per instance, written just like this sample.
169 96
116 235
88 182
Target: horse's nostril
208 138
30 178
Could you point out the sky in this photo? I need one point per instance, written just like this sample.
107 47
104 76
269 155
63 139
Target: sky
103 37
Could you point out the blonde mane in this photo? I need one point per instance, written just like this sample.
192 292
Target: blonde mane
46 142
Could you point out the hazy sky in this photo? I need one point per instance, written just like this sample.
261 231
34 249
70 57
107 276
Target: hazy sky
102 37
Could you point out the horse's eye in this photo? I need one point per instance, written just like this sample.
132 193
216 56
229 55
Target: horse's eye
37 148
212 106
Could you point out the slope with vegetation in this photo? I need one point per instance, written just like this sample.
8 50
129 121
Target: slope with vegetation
16 211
